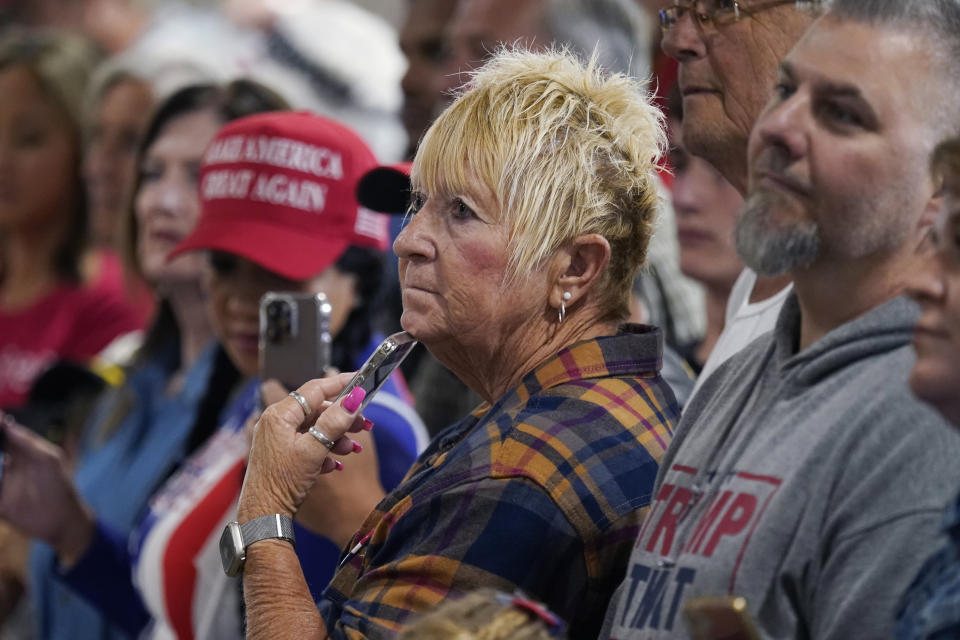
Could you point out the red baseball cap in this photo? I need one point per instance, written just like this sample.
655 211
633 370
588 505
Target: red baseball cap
279 189
386 188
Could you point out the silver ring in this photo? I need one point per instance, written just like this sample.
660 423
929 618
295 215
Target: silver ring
321 437
302 402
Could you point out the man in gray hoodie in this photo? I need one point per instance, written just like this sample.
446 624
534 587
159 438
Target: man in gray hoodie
806 477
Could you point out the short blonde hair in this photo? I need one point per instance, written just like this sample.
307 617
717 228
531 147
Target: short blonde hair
565 149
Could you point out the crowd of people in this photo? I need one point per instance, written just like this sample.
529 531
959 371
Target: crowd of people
684 275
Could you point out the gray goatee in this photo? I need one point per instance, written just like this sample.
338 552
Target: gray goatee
769 247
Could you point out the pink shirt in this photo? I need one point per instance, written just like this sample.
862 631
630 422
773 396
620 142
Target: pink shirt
72 323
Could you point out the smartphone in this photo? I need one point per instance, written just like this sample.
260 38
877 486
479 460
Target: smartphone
294 337
719 618
380 365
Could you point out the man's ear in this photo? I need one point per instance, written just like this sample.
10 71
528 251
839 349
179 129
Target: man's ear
579 265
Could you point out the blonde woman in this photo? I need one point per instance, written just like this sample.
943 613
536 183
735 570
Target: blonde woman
534 201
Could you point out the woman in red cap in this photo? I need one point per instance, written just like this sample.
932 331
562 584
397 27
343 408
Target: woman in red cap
279 213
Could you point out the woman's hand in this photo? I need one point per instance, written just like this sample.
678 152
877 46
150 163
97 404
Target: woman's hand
37 495
285 459
338 503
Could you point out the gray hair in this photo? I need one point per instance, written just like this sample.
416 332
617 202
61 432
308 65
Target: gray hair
937 21
618 30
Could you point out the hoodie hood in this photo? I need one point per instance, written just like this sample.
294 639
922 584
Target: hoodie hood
882 329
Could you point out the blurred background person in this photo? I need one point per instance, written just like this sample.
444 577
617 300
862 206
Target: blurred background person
440 396
178 587
424 43
118 107
48 311
351 73
929 609
706 207
178 381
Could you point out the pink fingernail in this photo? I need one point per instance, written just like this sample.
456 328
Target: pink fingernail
367 424
352 402
338 465
357 447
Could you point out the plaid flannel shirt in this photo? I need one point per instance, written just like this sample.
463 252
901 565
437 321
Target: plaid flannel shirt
543 492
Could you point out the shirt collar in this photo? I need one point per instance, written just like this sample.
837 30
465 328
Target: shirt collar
636 350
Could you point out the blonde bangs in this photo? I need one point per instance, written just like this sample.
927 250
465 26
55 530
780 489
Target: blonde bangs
564 148
460 146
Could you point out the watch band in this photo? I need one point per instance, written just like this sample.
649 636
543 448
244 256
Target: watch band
264 527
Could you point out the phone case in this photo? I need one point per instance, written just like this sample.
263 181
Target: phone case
378 367
294 337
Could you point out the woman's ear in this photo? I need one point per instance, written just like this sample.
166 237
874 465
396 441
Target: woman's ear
579 263
929 216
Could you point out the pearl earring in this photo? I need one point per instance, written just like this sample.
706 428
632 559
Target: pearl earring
563 305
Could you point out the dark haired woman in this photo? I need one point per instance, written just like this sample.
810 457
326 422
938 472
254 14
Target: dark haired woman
179 380
331 246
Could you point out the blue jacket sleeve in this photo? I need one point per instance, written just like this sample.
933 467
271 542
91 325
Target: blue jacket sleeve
103 576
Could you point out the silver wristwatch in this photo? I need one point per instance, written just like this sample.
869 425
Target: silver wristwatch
237 537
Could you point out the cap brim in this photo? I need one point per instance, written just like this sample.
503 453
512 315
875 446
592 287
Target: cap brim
293 255
386 189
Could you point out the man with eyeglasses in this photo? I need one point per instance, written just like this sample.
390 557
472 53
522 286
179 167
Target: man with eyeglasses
728 53
806 478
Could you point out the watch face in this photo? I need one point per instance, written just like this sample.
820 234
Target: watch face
232 550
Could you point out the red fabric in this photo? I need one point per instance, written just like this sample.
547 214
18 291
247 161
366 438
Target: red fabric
665 71
71 323
184 546
280 189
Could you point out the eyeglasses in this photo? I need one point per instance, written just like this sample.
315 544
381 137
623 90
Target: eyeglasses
717 13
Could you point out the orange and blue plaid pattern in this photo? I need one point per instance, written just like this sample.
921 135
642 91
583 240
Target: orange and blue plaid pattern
543 492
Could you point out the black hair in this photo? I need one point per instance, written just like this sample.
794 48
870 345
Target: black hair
367 267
